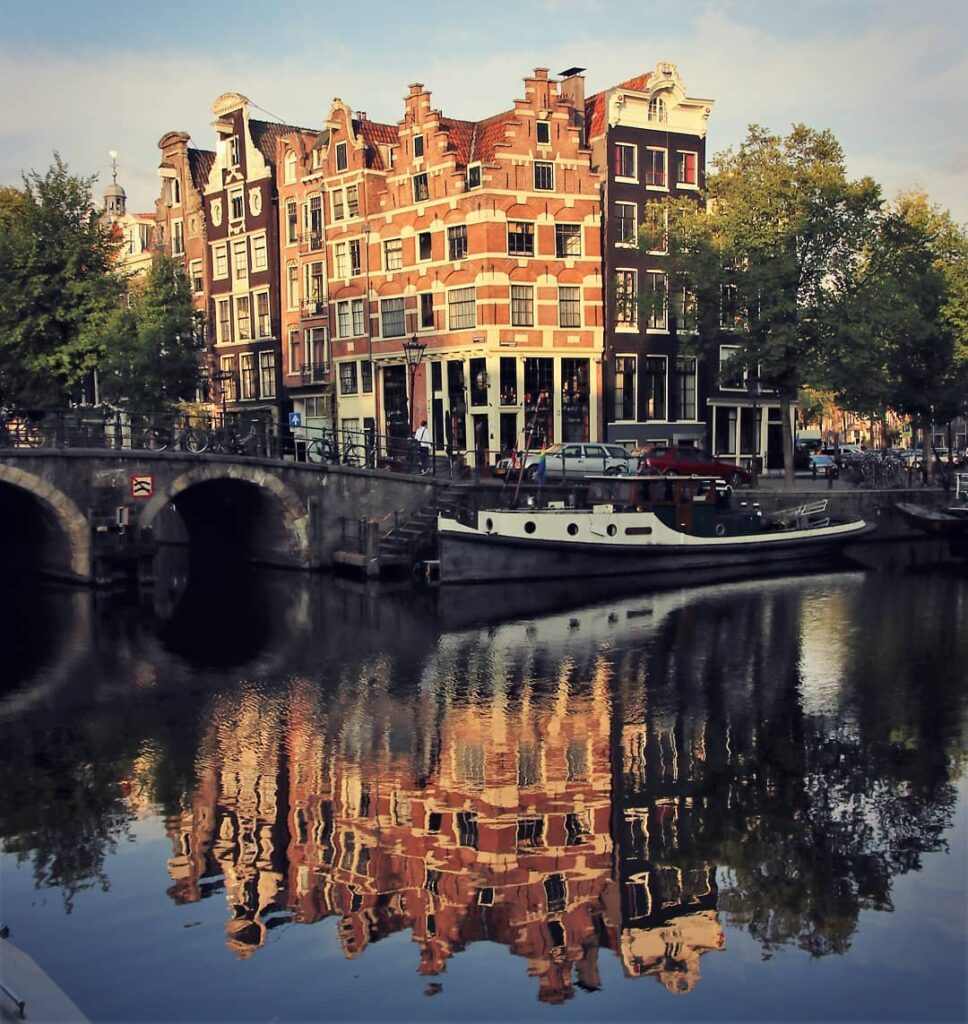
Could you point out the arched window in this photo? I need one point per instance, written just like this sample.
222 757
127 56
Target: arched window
290 167
657 109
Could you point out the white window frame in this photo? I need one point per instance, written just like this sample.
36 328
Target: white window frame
259 245
661 323
240 247
542 123
341 260
343 319
650 209
223 334
525 301
196 272
694 374
178 237
267 373
401 311
248 373
341 157
292 223
640 373
664 187
357 320
257 321
474 167
635 386
695 156
631 243
419 139
570 287
551 166
635 162
452 308
729 351
631 324
397 253
292 285
289 168
174 191
292 351
236 196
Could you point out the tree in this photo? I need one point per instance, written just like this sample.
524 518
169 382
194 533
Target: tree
913 289
57 282
151 360
770 255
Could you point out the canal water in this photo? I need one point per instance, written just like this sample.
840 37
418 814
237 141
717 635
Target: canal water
284 798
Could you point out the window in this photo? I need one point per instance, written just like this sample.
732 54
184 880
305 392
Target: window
625 161
292 286
358 324
289 165
656 227
423 245
473 176
236 205
657 109
336 199
729 307
353 200
195 276
341 161
292 222
426 309
530 831
686 388
418 146
567 240
243 319
341 265
314 283
461 308
421 191
543 132
393 254
654 387
626 227
467 829
655 167
569 306
656 289
347 378
247 366
221 258
366 373
687 169
356 262
293 353
625 387
223 321
315 224
267 373
174 191
732 373
509 381
522 305
392 316
544 176
457 242
626 297
178 238
227 378
240 260
520 238
233 150
259 258
263 321
343 319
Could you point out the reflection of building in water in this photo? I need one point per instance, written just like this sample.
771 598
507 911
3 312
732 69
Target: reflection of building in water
460 815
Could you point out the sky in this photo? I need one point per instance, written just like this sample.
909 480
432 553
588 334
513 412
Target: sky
83 77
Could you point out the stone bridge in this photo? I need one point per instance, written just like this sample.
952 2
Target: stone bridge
72 512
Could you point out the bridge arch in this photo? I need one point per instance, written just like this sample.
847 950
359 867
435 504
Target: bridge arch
293 514
69 554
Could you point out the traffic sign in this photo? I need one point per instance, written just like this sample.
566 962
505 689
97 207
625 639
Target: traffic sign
295 419
142 485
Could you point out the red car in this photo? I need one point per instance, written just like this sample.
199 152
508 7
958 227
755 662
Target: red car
679 460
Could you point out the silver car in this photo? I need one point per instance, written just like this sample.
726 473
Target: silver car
571 459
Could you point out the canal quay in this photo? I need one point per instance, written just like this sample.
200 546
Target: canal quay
274 795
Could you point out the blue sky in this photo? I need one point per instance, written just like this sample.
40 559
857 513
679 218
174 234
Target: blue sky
889 78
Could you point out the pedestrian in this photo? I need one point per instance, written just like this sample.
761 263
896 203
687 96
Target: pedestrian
422 439
542 470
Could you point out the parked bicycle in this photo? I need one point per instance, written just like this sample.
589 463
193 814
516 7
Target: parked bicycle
19 430
327 449
230 440
188 439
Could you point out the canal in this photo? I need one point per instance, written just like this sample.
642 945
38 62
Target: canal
289 798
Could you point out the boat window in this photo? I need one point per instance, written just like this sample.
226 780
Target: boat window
611 530
637 531
529 526
572 529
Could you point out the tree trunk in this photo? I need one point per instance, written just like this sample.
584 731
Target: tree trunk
788 475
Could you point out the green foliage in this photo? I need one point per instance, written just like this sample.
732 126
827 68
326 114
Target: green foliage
771 257
151 361
57 283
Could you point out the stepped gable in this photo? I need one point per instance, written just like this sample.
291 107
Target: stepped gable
376 134
595 105
475 141
200 165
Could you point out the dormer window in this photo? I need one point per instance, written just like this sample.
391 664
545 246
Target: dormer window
657 109
290 167
418 146
341 161
175 186
473 176
543 132
233 151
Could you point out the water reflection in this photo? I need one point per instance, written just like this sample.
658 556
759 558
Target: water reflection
627 778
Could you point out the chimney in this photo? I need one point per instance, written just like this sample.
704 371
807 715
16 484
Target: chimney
572 90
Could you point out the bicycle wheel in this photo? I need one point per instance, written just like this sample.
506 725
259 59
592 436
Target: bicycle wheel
155 439
33 435
194 440
354 455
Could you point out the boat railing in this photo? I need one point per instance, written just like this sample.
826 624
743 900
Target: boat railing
811 513
961 487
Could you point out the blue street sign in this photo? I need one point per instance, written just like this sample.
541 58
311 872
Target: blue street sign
295 419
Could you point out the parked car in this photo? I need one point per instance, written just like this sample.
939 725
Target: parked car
682 460
572 459
825 466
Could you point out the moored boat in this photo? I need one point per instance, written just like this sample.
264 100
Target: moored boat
637 525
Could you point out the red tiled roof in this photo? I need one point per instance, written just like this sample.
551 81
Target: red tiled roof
376 134
474 141
199 165
595 105
265 135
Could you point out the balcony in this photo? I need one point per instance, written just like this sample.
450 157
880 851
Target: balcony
311 241
315 373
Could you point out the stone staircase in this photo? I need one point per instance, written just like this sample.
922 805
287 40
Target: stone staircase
416 538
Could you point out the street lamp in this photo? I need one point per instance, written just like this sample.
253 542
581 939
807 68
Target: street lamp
413 352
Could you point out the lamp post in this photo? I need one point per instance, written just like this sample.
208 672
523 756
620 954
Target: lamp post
413 352
753 384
